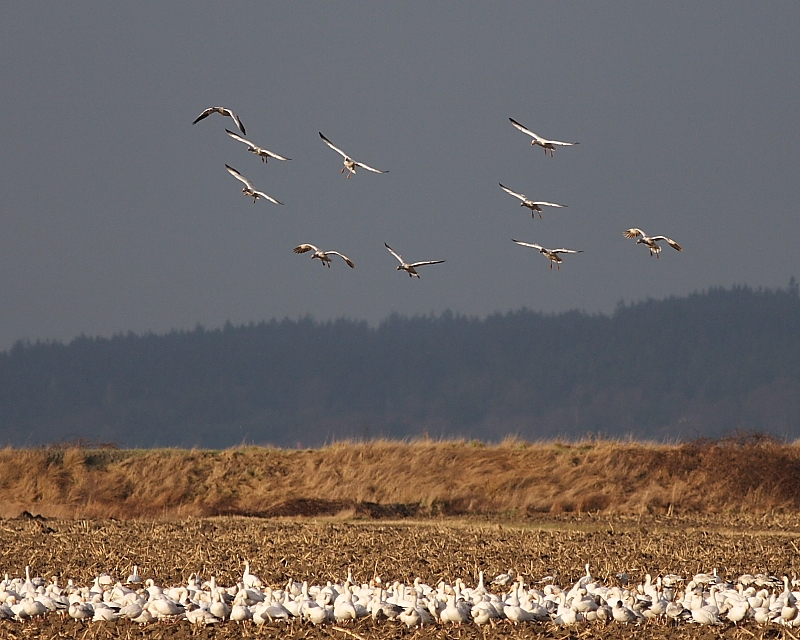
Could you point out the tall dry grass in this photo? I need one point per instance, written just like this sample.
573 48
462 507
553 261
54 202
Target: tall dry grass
513 479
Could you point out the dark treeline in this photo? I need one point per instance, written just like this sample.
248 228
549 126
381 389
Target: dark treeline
701 365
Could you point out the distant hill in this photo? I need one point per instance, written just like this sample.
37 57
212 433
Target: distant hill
701 365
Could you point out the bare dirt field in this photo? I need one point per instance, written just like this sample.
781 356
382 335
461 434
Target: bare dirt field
324 549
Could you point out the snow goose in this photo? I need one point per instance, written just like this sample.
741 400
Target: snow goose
200 617
264 154
534 206
547 145
789 609
6 612
312 612
514 612
738 612
218 607
411 268
410 616
344 610
33 608
134 577
322 256
651 243
550 254
163 607
349 163
251 581
80 610
249 189
131 610
225 112
104 613
504 579
704 616
240 612
623 614
453 613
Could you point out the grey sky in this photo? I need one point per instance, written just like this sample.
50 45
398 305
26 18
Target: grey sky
117 214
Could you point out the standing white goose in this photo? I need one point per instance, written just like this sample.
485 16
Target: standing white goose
534 206
250 580
349 163
322 256
134 577
225 112
547 145
249 189
411 268
650 243
264 154
550 254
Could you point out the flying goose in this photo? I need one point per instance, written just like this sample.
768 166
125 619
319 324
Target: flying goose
225 112
550 254
264 154
547 145
249 189
533 206
411 269
650 241
349 163
323 255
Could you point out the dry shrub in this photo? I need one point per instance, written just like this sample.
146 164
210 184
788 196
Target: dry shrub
375 479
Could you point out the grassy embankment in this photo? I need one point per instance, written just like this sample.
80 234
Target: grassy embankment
513 480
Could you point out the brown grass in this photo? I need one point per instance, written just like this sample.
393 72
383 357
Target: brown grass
378 479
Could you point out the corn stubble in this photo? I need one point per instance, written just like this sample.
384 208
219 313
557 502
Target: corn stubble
318 551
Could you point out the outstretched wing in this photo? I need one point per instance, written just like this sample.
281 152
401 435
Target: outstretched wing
349 262
525 130
266 197
561 144
274 155
394 253
332 146
669 241
235 118
528 244
633 233
562 250
205 114
513 193
239 176
363 166
550 204
422 264
304 247
239 138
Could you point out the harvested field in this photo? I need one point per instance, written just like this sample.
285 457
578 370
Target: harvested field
324 550
421 479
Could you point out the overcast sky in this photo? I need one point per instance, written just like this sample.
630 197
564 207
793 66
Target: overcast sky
117 214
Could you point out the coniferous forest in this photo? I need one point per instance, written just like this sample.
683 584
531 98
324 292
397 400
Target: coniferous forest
702 365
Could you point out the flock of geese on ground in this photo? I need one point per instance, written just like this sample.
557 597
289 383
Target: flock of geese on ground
705 599
350 165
